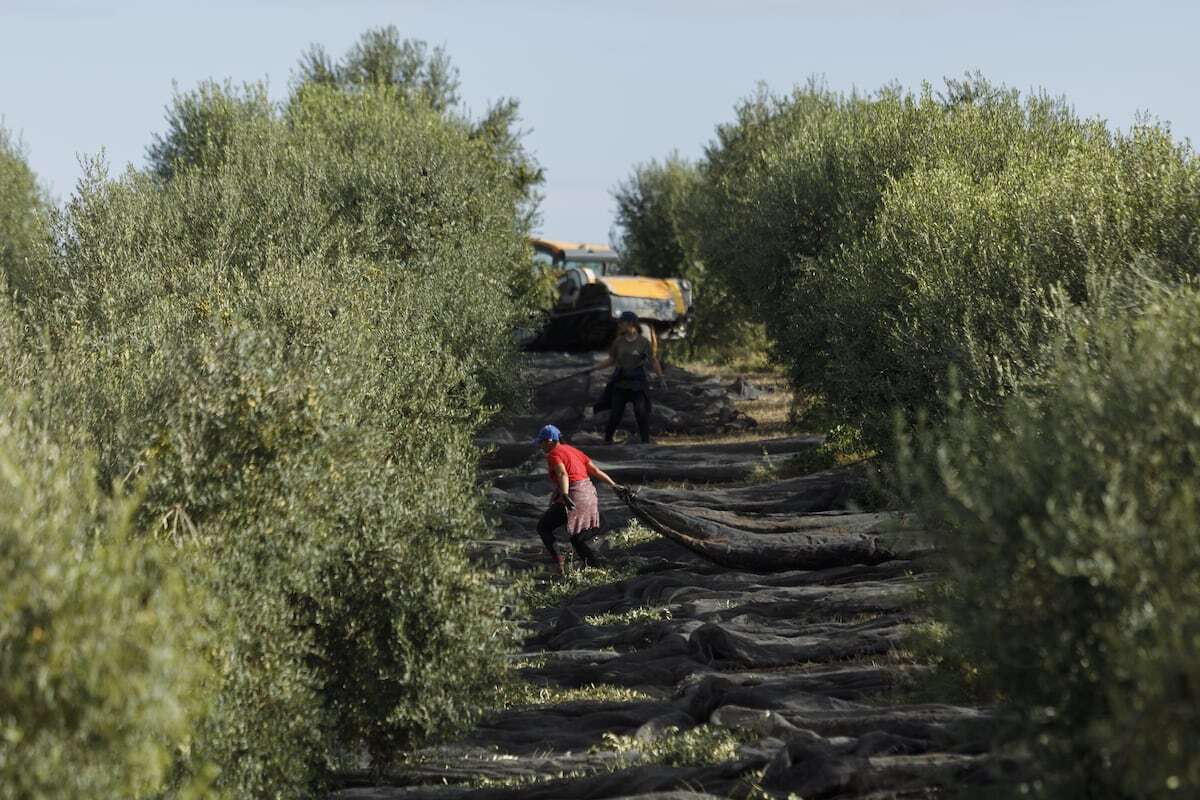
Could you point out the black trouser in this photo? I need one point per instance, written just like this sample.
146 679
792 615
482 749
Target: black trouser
641 411
554 518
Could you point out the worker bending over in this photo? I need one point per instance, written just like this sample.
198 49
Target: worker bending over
574 502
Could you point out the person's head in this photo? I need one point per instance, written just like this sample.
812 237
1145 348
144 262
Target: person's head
628 324
548 438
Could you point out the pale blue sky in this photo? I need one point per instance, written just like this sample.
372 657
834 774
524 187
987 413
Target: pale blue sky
602 85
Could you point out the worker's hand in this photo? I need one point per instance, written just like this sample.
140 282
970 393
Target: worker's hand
568 502
621 491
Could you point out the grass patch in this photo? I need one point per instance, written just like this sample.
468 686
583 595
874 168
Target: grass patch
741 361
544 591
829 455
437 760
631 535
523 693
692 748
526 780
772 411
535 662
638 614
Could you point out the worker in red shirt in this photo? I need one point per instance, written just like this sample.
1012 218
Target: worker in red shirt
574 502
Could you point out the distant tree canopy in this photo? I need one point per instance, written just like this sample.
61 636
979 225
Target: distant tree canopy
659 209
652 215
974 89
202 122
408 70
381 58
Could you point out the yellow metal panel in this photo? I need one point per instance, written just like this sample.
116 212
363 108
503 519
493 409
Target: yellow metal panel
677 296
651 288
634 286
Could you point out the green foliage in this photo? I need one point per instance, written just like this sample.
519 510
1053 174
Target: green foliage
202 123
885 240
288 338
381 58
417 75
99 679
972 89
658 211
652 211
543 286
984 260
499 130
24 222
1070 528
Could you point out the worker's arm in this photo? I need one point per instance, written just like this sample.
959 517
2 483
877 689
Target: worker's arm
560 479
654 362
600 474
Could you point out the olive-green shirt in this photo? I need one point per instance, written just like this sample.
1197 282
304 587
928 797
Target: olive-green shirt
630 354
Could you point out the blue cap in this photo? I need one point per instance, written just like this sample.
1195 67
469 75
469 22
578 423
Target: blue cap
628 316
548 433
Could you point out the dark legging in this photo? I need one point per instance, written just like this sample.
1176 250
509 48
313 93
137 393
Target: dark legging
641 412
554 518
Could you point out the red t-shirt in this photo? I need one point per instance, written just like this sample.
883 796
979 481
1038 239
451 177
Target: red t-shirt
573 459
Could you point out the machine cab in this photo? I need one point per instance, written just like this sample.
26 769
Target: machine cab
559 255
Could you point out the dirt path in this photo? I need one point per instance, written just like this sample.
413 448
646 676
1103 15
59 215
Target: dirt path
670 675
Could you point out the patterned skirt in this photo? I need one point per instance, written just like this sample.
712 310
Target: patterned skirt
586 515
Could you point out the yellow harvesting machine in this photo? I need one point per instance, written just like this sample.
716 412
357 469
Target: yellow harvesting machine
593 292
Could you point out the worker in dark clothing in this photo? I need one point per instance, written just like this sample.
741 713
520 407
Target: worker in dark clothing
574 503
631 353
